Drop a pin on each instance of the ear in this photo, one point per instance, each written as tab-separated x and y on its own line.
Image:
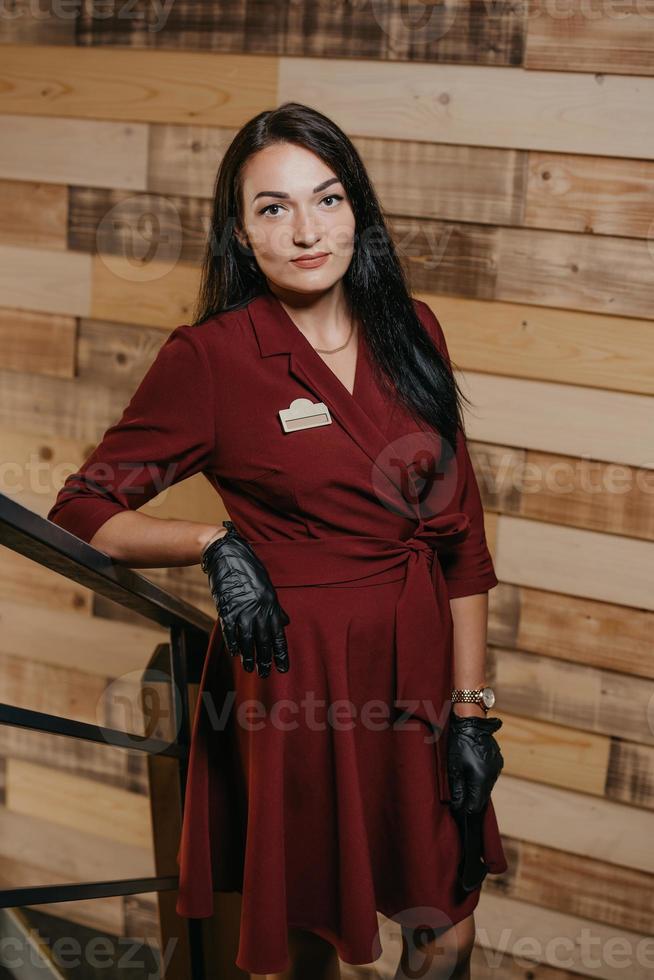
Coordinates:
242	237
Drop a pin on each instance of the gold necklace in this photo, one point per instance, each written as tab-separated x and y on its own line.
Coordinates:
322	350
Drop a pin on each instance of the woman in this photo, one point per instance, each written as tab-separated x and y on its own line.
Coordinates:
318	399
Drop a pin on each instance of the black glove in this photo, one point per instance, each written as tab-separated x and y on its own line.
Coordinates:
474	762
247	603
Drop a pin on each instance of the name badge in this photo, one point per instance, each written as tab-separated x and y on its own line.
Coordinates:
302	413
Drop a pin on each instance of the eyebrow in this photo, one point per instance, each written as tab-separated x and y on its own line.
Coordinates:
284	196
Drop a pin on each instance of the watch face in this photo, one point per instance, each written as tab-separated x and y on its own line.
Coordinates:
488	696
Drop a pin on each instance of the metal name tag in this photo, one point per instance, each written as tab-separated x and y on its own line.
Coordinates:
302	413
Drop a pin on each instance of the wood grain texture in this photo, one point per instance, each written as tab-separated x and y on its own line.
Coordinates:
605	892
574	822
438	180
33	214
584	632
61	854
183	160
564	111
584	697
595	195
563	757
22	580
539	935
45	280
592	273
584	272
74	642
78	151
587	494
46	23
38	343
560	419
574	562
142	228
80	804
160	294
485	185
562	490
517	340
167	86
455	30
592	36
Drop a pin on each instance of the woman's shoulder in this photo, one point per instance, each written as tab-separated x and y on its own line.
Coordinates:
218	331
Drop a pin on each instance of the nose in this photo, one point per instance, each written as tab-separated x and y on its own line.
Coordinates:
306	229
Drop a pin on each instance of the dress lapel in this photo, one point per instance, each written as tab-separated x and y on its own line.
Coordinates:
277	333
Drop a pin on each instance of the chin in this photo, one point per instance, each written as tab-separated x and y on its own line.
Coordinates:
302	282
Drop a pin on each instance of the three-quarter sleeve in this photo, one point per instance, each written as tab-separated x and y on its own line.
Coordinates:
165	434
468	567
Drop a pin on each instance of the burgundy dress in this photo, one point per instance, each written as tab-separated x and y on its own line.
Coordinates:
319	794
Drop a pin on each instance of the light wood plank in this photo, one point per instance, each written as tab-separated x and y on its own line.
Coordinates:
554	754
83	805
588	494
184	159
85	152
586	825
592	37
563	490
563	692
539	935
159	295
441	180
603	635
602	196
605	892
75	855
586	272
540	342
104	914
38	343
33	214
561	419
479	106
107	649
581	563
200	88
22	580
65	691
45	281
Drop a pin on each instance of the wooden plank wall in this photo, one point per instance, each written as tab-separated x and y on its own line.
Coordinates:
515	143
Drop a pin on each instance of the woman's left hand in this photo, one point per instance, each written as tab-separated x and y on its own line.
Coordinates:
474	761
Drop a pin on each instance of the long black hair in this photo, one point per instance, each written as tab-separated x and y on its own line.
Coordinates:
406	361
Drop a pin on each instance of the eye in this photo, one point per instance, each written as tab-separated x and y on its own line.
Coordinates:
333	197
268	206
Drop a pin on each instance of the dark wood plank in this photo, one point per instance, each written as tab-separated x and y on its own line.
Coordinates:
473	32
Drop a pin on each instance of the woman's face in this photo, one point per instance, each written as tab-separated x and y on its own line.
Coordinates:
295	206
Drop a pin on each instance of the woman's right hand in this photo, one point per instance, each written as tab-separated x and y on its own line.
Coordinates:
251	617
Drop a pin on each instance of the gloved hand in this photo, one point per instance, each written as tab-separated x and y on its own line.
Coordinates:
474	761
251	617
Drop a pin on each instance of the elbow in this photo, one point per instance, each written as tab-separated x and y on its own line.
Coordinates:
107	541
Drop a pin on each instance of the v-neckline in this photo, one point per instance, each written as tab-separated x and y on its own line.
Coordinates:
356	384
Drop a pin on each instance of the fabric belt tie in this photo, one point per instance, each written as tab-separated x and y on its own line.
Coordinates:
423	682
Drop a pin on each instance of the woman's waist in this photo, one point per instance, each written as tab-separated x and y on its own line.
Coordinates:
339	560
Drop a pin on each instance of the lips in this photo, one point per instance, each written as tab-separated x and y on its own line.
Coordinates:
311	261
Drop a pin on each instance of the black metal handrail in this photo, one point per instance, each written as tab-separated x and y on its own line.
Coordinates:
50	546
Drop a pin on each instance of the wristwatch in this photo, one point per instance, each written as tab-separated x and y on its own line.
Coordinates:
483	696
